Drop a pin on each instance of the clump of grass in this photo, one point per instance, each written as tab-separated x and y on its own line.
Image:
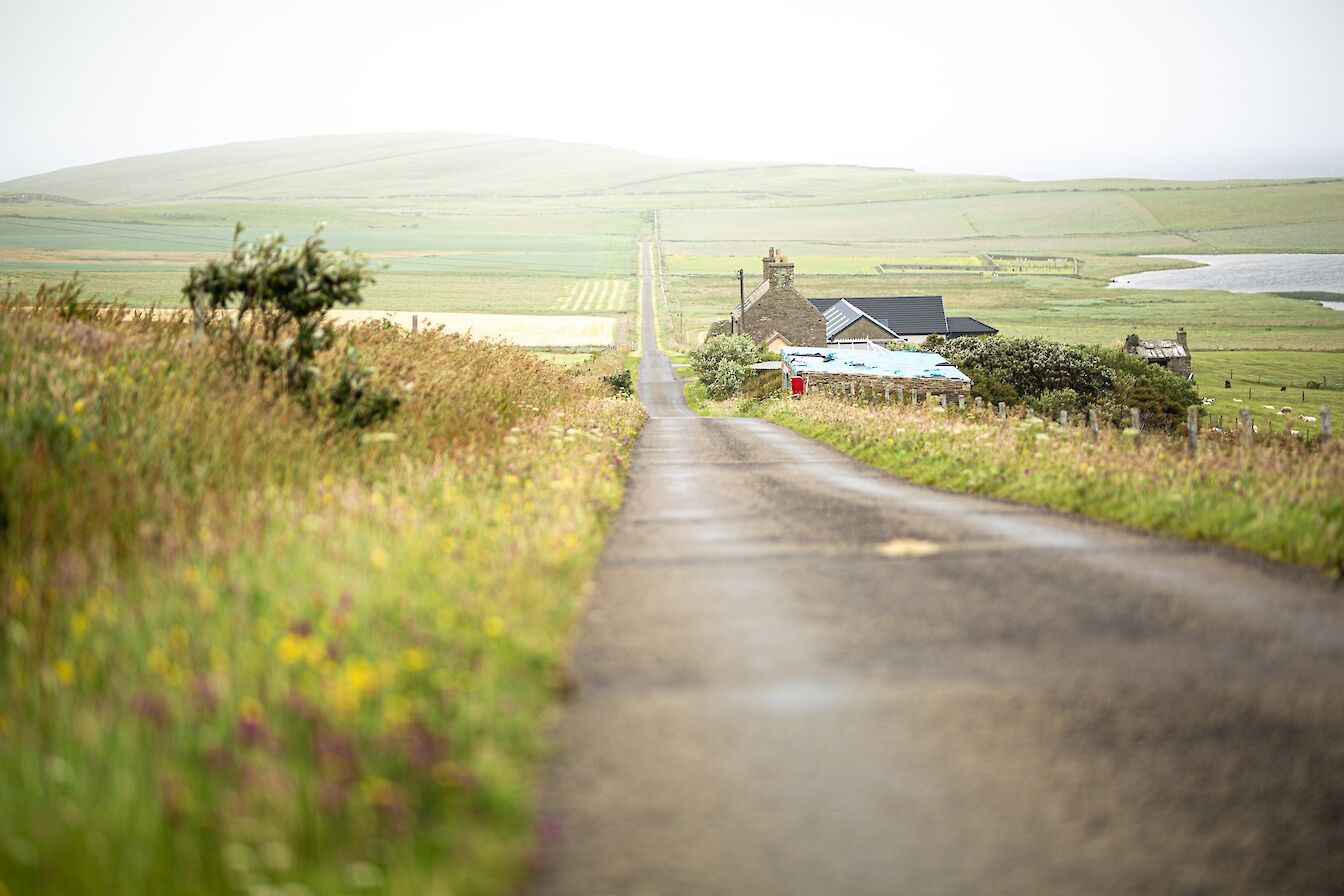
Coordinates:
240	648
1284	499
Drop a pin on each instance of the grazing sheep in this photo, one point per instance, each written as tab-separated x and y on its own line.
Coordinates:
1269	407
1238	401
1306	418
1285	410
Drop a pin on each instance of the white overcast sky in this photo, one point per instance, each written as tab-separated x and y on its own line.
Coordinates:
1030	88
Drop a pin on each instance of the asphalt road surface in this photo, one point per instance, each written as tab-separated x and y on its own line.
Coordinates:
799	675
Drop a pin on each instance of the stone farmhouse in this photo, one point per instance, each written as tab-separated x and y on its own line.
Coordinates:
775	315
1173	354
776	312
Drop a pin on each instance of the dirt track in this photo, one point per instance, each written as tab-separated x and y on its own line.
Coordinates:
799	675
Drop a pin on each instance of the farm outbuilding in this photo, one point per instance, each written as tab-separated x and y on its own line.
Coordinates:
903	318
1173	354
846	366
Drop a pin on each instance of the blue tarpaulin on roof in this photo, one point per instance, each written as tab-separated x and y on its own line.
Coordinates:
803	360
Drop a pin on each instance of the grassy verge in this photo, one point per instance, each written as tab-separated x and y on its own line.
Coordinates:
242	651
1284	499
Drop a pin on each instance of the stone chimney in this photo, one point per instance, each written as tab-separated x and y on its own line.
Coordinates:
1180	337
777	269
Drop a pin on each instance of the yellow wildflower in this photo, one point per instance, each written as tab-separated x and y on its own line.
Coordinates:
79	406
21	585
448	543
79	624
413	659
291	649
65	671
493	626
360	675
378	558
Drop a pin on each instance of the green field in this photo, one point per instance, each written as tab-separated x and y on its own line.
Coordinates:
1278	379
486	223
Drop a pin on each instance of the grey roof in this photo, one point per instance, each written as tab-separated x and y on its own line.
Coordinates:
841	314
907	315
1157	349
968	326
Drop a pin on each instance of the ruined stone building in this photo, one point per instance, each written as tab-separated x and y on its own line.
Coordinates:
775	312
1173	354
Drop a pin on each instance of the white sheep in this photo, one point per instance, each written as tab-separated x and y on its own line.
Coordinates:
1306	418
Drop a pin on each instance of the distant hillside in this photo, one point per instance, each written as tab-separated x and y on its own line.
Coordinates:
377	166
455	193
420	166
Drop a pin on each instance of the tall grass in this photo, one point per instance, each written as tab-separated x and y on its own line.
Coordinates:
1283	499
241	650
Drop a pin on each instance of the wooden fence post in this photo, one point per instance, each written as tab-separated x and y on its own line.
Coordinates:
979	402
1247	428
1135	421
886	392
1092	424
1064	418
961	402
942	401
900	395
1192	430
1003	411
1325	426
415	323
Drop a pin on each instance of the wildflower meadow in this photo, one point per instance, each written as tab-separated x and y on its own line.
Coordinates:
245	649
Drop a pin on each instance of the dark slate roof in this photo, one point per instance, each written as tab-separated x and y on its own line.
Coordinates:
968	326
906	315
841	314
1160	349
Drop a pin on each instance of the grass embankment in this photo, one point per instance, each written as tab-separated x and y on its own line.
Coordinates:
1284	499
240	650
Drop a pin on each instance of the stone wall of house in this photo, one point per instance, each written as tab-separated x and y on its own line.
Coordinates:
820	382
783	310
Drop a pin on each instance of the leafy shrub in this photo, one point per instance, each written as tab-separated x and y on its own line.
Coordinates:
1050	402
620	381
723	363
1160	395
992	388
275	300
1032	366
1050	377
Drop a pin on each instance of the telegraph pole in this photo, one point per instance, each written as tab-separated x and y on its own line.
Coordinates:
742	299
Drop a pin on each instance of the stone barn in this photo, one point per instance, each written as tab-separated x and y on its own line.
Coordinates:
776	312
1173	354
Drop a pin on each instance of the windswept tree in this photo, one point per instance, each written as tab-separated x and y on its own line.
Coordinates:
267	303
